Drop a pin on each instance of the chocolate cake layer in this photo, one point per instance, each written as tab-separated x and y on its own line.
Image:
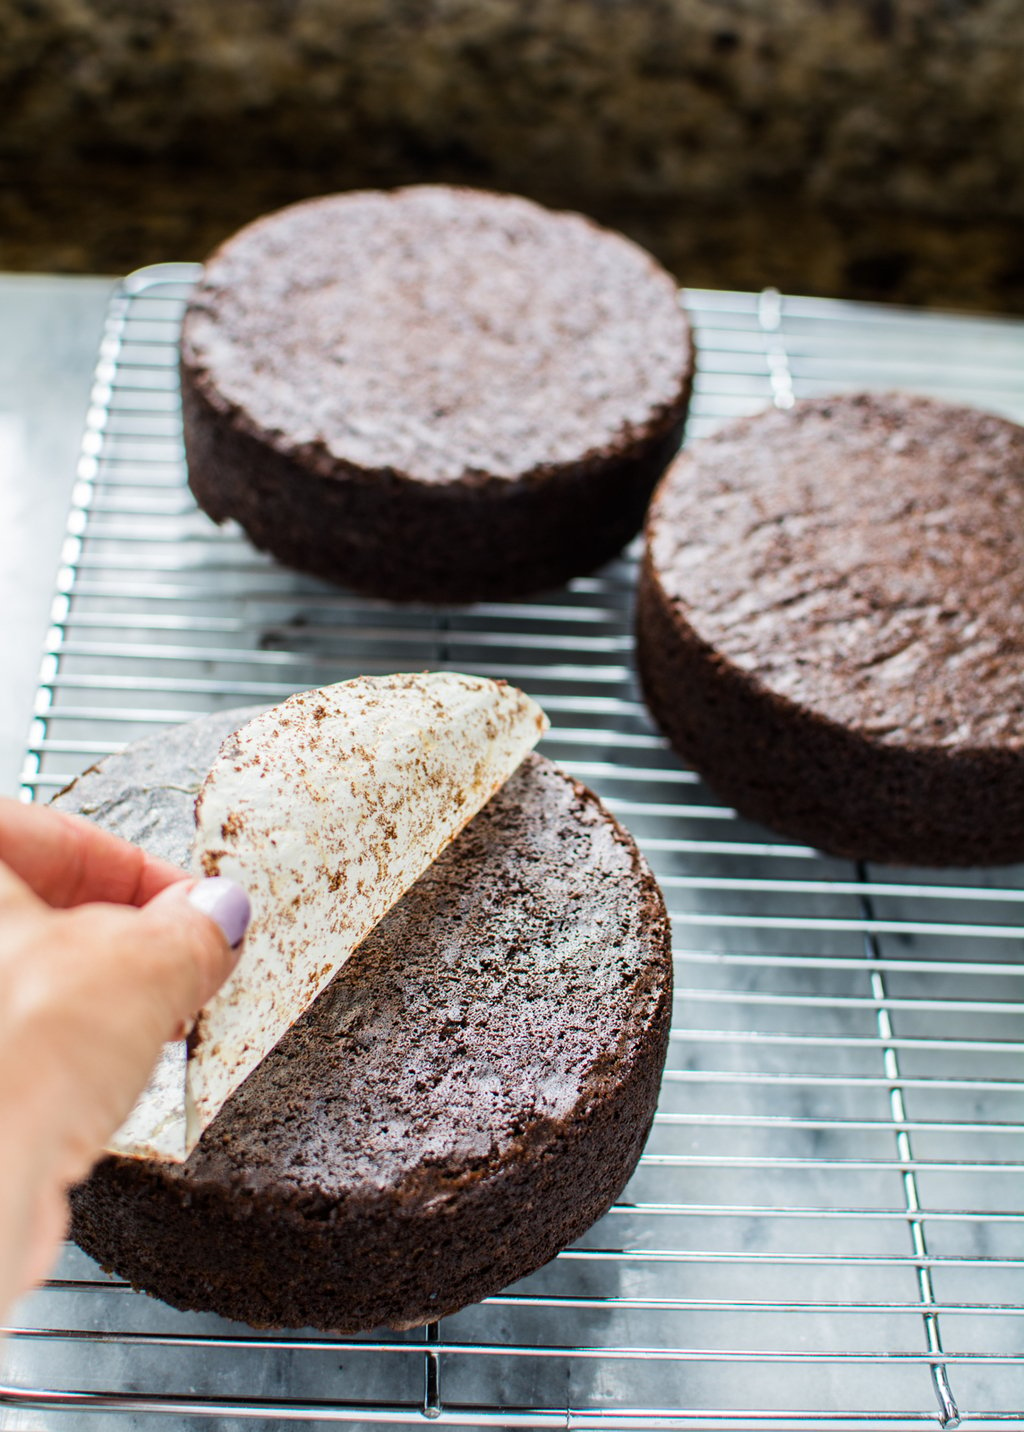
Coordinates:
466	1097
432	392
829	625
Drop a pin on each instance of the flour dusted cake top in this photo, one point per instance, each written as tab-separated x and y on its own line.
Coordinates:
861	556
517	980
442	333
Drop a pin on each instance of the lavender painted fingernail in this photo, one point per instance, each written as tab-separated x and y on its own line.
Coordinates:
225	903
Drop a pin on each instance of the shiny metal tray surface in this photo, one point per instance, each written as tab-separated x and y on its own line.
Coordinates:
827	1227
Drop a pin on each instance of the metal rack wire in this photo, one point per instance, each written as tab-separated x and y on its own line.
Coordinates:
827	1227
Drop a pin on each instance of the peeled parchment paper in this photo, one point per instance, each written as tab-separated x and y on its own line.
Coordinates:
326	809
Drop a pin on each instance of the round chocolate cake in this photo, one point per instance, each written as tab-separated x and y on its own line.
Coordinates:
466	1097
433	393
830	625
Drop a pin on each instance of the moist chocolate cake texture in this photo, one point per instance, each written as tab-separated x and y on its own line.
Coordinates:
829	624
466	1097
433	392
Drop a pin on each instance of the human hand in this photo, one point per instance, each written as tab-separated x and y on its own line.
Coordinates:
105	954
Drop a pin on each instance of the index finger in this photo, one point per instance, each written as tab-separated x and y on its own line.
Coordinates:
66	860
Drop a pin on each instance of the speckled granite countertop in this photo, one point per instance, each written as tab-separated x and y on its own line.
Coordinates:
865	147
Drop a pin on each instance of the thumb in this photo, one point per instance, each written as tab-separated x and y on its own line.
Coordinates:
197	928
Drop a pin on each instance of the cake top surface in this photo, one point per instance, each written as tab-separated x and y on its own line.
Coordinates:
440	333
863	557
487	1008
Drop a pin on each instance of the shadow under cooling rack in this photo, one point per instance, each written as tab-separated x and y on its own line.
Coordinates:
827	1226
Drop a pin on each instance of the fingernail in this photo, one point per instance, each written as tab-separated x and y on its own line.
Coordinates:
225	903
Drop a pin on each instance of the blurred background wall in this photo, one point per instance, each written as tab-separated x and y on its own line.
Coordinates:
865	148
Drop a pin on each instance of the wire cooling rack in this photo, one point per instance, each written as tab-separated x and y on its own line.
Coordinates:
827	1227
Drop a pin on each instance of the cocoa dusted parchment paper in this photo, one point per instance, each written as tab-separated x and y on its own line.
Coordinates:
326	809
